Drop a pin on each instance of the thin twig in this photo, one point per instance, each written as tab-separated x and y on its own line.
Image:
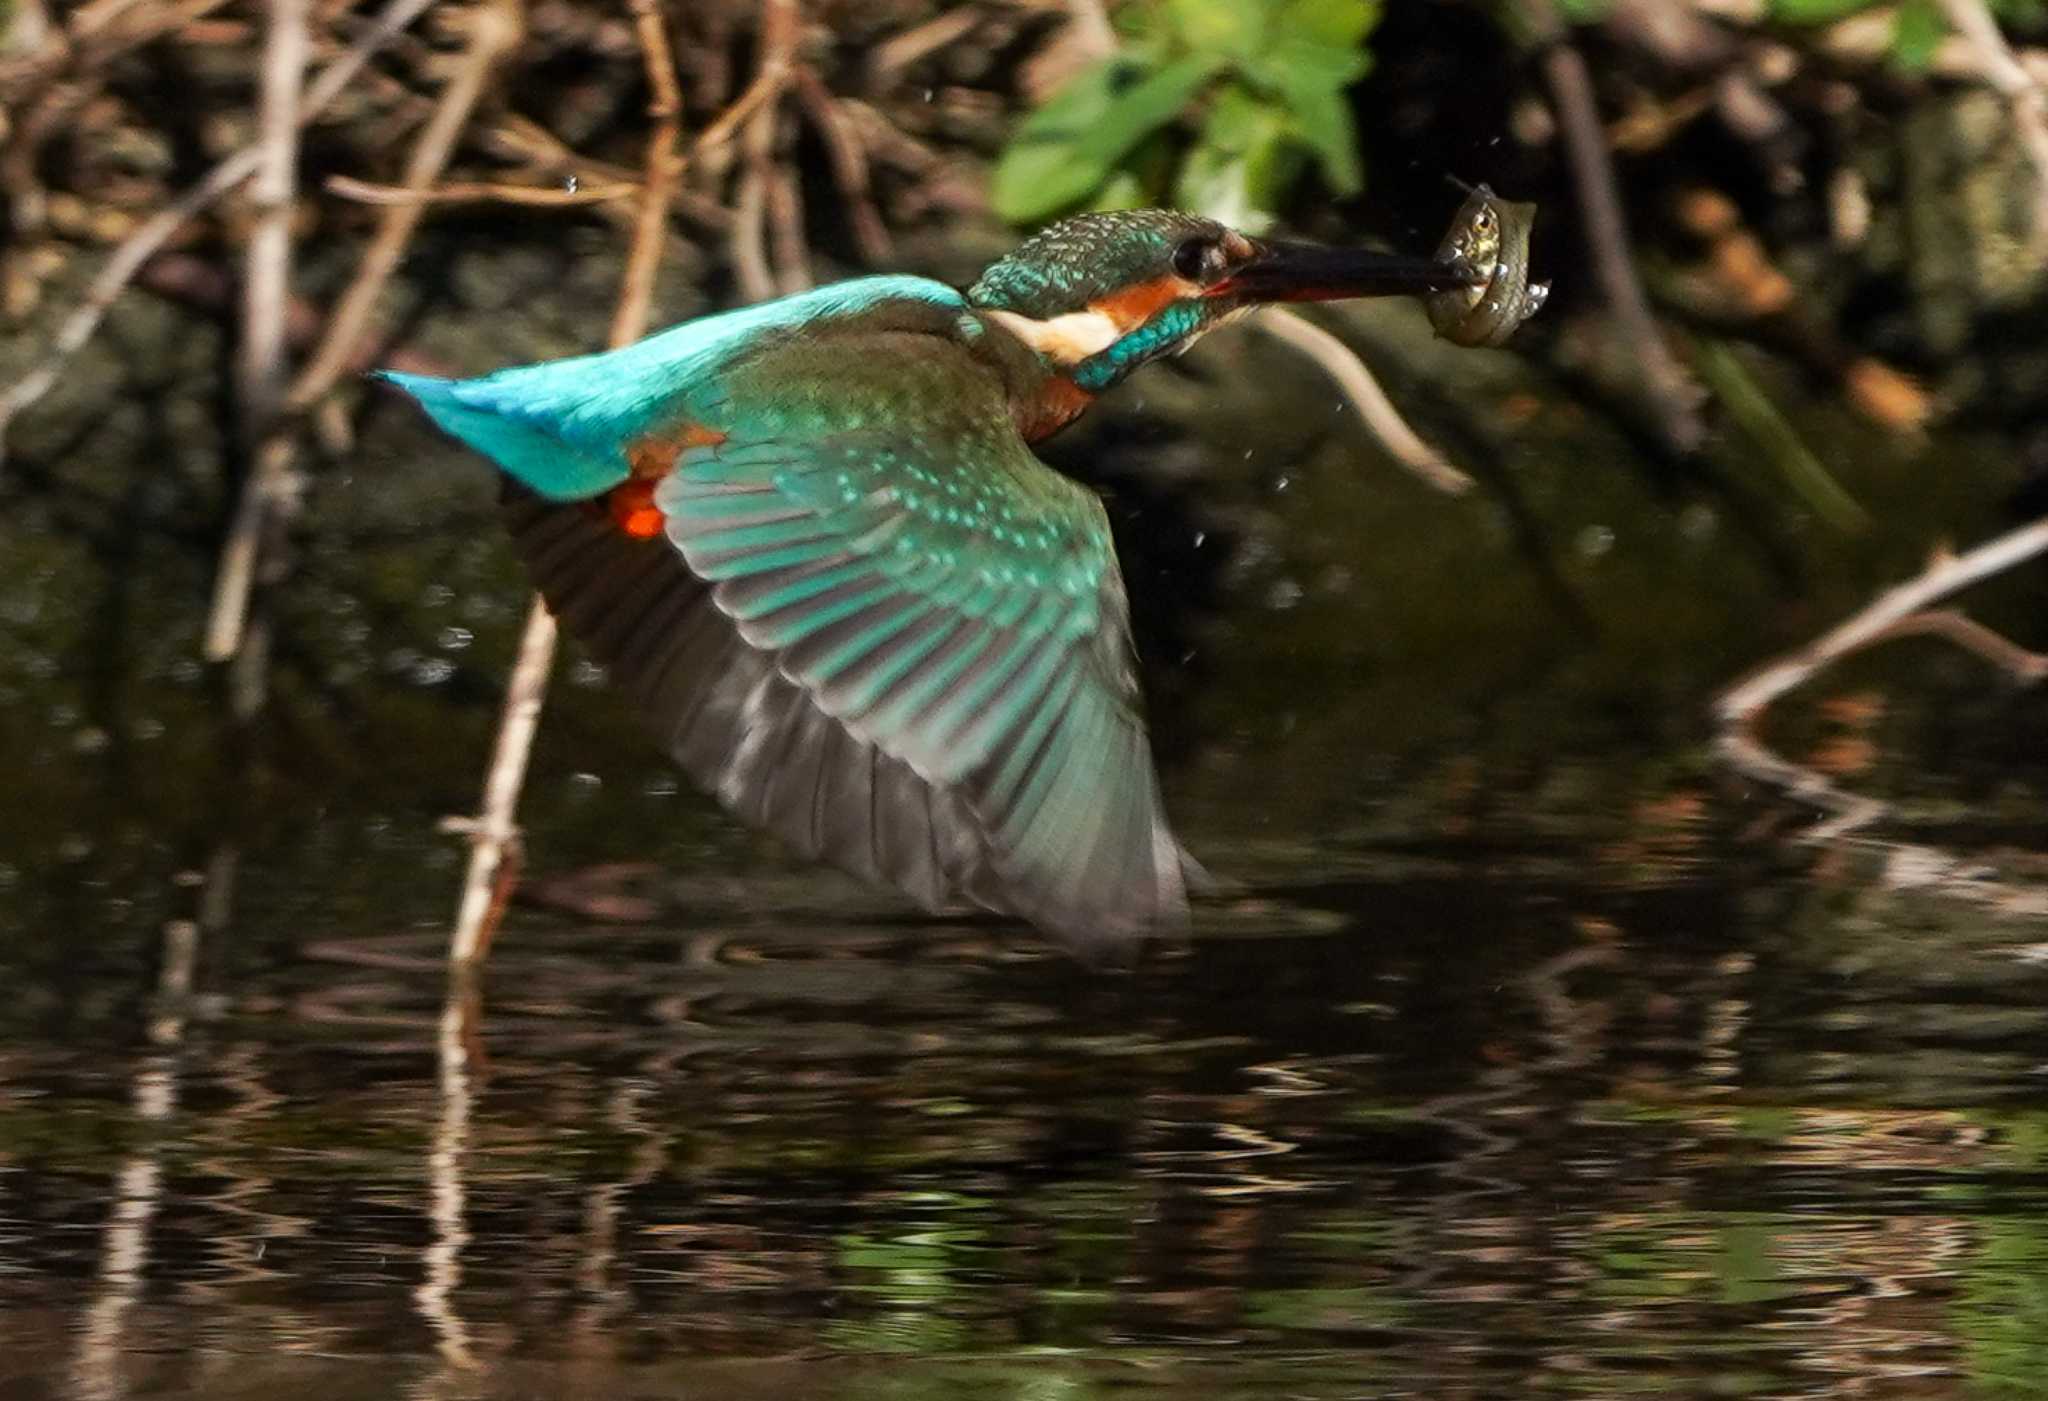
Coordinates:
494	835
1341	363
778	40
494	29
1901	611
665	109
785	210
1946	575
849	162
749	249
125	261
1671	390
266	292
2026	668
269	497
266	287
479	192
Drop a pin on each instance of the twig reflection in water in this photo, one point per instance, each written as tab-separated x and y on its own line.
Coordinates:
138	1186
446	1158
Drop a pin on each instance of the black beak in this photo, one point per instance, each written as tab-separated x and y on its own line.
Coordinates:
1309	272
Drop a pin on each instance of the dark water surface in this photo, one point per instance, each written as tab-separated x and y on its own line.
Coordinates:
1530	1055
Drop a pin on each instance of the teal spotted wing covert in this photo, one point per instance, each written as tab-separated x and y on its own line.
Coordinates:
880	627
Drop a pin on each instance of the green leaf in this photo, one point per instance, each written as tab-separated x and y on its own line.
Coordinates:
1322	119
1917	31
1225	28
1064	151
1243	162
1339	24
1816	11
1137	111
1043	169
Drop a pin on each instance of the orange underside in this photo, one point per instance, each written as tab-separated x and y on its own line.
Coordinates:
631	503
1059	403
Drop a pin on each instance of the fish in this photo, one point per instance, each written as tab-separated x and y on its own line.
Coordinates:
1490	236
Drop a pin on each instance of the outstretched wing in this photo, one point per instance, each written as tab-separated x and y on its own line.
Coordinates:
877	625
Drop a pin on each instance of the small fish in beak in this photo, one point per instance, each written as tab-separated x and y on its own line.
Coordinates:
1490	237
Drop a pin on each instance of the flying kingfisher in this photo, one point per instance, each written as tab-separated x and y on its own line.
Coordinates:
812	540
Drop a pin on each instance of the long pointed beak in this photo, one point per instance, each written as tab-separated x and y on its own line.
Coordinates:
1310	272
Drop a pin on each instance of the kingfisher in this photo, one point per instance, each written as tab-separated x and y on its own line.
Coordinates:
812	541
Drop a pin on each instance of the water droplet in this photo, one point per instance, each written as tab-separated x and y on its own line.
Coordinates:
1282	484
569	184
586	674
1595	541
1284	594
432	671
454	639
1200	537
660	785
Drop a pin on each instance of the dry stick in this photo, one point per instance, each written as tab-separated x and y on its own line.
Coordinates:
270	496
261	369
479	192
1945	575
785	211
2026	97
849	161
266	287
1571	91
1900	611
494	30
125	261
1341	363
493	834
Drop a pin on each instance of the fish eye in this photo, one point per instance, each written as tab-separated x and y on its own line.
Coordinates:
1483	221
1198	259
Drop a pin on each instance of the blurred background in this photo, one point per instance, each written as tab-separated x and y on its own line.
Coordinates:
1545	1044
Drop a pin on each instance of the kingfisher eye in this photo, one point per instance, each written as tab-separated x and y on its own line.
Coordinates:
1199	259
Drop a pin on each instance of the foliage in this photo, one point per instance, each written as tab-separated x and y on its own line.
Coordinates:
1918	26
1220	104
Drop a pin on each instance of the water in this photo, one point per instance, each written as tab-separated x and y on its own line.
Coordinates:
1529	1052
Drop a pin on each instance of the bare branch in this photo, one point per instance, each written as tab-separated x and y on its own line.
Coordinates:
270	496
1946	575
479	192
125	261
1341	363
494	836
494	29
1671	390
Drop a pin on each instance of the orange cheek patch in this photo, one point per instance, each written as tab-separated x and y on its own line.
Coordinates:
1134	306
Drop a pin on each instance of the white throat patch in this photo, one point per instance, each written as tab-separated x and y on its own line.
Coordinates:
1067	339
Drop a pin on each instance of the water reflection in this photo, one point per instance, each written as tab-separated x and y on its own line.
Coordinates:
1495	1132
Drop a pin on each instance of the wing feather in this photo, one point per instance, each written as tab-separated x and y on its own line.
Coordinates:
915	667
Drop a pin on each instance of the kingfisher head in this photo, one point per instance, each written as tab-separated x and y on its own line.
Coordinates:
1098	295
